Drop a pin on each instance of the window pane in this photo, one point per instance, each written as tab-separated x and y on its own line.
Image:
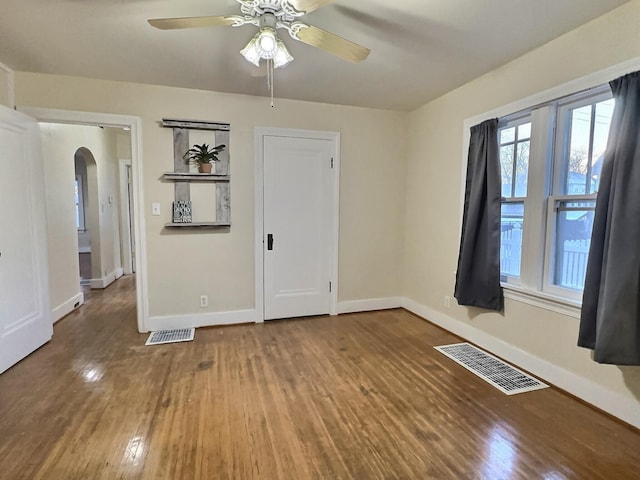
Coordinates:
524	131
578	151
522	169
511	238
506	163
604	112
573	237
507	135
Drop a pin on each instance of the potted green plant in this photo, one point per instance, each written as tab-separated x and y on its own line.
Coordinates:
203	155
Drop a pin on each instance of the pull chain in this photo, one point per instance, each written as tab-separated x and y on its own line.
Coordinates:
270	78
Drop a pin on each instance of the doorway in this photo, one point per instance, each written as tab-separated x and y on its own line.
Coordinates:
86	213
297	180
132	125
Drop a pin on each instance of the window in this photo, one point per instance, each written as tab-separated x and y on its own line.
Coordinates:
551	158
583	129
79	203
514	139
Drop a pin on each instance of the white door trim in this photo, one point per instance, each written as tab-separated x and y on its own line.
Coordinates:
135	125
334	138
125	220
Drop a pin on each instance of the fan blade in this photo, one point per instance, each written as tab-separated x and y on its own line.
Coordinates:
307	6
317	37
189	22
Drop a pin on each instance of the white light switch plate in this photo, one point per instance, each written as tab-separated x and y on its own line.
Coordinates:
155	209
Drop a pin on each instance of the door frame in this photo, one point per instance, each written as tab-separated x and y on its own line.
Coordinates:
334	138
135	125
125	217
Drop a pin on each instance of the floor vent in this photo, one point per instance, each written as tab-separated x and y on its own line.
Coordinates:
171	336
501	375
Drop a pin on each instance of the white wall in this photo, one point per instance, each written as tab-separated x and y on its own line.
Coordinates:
186	264
60	143
432	221
6	86
124	145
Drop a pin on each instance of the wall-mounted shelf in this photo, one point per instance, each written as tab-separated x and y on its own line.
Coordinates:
195	177
198	225
183	177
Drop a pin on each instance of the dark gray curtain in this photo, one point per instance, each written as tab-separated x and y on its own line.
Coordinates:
478	275
610	319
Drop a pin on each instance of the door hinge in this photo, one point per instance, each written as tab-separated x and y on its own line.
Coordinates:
331	162
329	287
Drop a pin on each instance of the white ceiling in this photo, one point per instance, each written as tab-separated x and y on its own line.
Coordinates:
420	49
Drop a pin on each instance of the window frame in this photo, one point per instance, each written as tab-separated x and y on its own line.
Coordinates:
515	120
564	107
563	137
550	140
590	82
550	246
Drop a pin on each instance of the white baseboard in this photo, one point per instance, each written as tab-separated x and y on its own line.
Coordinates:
620	406
197	320
369	304
67	307
103	282
119	272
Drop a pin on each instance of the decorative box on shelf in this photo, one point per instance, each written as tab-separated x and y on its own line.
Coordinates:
182	212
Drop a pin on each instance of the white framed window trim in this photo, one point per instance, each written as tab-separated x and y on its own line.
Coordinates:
510	263
531	288
542	272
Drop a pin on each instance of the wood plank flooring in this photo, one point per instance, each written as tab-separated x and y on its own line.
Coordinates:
361	396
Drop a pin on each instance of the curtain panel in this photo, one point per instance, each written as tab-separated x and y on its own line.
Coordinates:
478	274
610	317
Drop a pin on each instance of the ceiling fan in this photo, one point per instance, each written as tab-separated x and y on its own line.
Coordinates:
269	16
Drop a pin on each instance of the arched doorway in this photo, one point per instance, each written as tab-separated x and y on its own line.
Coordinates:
87	215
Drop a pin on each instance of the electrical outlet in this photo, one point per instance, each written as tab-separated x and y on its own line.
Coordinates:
204	301
155	209
447	302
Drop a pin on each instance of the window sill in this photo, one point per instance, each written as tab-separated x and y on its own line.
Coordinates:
549	302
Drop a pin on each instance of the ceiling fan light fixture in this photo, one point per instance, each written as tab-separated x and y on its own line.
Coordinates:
283	57
250	53
267	43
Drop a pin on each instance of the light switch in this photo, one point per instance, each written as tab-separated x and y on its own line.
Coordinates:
155	209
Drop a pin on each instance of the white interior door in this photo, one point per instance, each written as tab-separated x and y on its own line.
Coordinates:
25	312
297	226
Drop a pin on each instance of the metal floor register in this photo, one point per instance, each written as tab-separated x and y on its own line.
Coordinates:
501	375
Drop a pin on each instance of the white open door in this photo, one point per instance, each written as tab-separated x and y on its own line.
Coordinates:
298	231
25	312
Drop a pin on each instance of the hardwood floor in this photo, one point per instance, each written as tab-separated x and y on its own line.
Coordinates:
361	396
